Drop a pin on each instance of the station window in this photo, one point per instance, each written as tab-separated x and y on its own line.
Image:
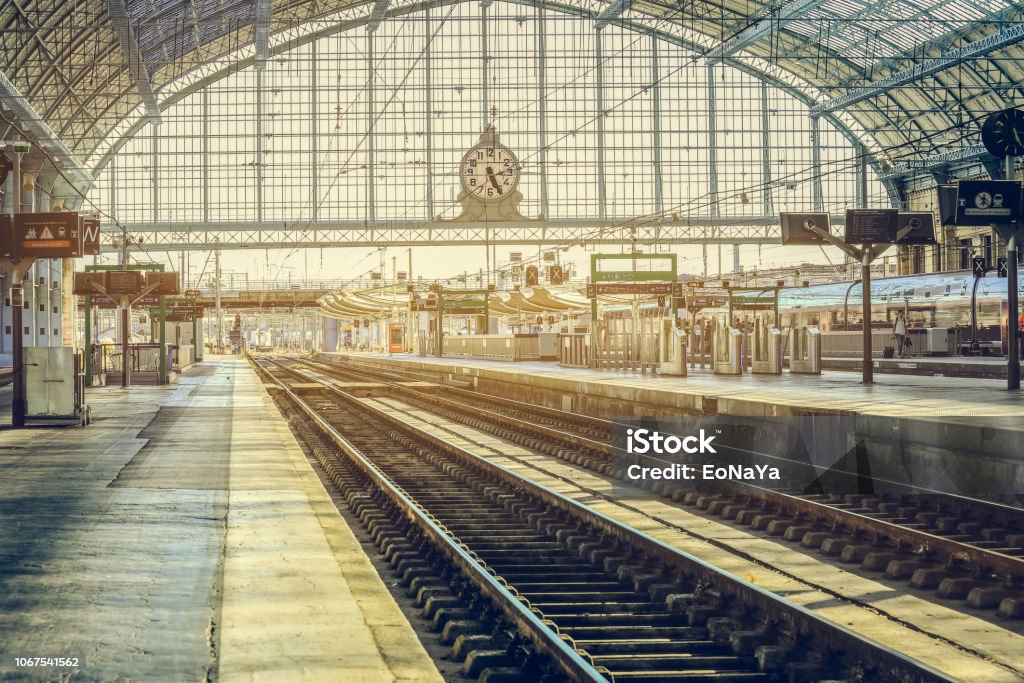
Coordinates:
7	329
55	309
7	301
56	332
25	306
42	280
42	331
42	308
28	331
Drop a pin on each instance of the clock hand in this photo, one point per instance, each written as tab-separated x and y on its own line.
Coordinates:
494	181
1016	136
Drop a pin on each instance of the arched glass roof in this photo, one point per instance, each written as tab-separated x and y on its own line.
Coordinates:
892	65
368	127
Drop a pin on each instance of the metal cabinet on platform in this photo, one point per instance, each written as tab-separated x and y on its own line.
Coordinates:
55	384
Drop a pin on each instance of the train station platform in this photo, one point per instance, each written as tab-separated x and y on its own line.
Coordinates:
969	367
950	434
184	536
704	392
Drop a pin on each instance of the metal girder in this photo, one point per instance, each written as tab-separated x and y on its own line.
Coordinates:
20	112
377	14
252	235
262	32
613	10
1006	37
762	26
130	47
953	156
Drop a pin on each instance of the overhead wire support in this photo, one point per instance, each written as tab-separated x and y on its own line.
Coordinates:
953	156
763	26
136	67
262	33
377	14
1008	36
612	11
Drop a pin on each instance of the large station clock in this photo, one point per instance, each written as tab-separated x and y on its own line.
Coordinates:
489	171
1003	133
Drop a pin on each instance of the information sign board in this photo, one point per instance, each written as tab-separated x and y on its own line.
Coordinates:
595	289
796	227
47	235
921	224
90	236
984	202
124	282
871	226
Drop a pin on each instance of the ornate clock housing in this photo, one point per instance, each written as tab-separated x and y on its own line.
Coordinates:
1003	133
489	171
489	174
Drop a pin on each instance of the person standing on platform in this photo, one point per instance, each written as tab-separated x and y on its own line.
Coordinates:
899	330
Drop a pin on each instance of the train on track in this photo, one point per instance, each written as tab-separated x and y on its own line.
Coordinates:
971	311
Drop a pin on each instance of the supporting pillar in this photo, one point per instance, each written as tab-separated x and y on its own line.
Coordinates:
88	341
602	186
541	57
868	370
766	152
816	193
659	202
1013	336
126	331
163	340
1013	332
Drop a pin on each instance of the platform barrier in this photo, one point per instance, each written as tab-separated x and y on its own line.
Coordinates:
727	351
108	358
510	347
766	351
574	350
621	345
805	350
183	356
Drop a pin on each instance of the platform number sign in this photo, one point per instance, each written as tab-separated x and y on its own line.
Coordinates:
1001	266
532	276
978	266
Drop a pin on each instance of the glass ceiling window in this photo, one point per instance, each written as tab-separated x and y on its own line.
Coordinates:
360	126
868	33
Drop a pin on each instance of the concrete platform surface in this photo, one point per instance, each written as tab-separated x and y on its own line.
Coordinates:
919	397
184	537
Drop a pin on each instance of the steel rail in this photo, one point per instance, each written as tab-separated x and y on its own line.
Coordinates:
828	635
570	661
1007	566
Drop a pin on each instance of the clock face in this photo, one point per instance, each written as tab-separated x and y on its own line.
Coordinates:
489	173
1003	133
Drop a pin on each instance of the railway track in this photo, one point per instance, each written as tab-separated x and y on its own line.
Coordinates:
527	584
959	548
